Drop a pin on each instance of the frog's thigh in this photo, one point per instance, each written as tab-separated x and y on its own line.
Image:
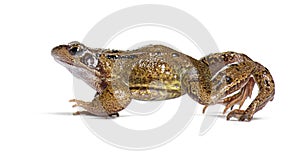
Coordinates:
240	71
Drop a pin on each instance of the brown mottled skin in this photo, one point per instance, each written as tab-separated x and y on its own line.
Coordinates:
156	72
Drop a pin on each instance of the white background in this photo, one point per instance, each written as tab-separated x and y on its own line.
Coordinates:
34	89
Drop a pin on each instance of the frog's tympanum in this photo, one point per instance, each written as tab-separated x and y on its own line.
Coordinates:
157	72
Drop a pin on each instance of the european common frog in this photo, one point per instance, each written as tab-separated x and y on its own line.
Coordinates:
157	72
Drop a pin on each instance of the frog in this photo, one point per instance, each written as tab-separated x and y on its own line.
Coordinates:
156	72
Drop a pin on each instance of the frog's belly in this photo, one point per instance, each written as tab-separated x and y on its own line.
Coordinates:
156	90
154	81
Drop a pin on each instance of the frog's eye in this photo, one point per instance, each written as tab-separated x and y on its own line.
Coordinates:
73	50
89	60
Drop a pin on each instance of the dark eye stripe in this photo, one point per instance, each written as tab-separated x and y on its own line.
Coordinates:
111	56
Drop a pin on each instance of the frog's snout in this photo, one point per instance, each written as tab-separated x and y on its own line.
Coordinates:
58	49
61	53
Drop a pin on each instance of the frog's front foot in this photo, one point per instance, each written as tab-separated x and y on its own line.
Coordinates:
241	115
81	113
79	103
89	107
107	104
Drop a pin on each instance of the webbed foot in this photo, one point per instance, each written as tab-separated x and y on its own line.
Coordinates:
241	115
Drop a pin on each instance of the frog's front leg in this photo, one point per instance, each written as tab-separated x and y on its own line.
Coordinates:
113	99
266	93
90	108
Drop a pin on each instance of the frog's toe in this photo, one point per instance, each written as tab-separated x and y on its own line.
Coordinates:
76	113
240	115
72	100
82	113
236	114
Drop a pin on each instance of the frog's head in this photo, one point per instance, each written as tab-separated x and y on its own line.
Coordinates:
80	60
75	54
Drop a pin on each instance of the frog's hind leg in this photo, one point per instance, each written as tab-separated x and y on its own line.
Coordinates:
240	97
249	88
230	101
266	93
215	62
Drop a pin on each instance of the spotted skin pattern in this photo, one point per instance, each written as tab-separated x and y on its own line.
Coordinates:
157	72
